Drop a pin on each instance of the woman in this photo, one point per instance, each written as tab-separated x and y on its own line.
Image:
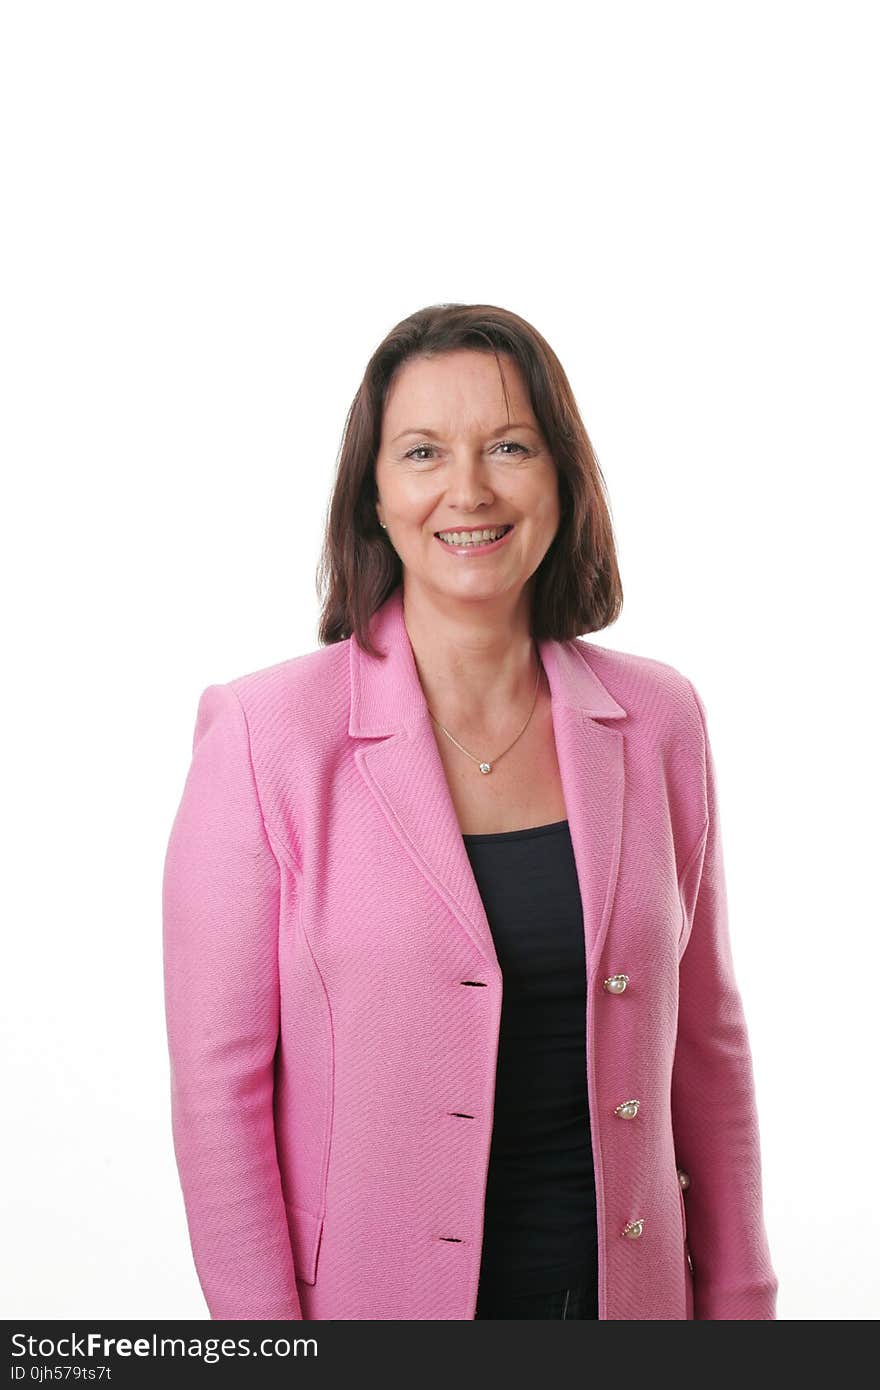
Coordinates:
452	1018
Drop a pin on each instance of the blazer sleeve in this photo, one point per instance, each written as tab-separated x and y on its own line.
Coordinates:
713	1097
220	903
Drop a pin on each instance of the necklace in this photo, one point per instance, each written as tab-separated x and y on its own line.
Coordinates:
485	766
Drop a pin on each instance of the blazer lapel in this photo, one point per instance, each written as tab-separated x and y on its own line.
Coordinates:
402	767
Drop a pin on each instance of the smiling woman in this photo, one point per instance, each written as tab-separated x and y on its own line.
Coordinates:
448	1044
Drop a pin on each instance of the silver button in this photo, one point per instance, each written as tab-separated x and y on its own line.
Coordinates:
633	1229
616	984
683	1179
627	1109
690	1261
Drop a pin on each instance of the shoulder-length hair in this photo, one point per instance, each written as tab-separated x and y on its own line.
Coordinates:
577	586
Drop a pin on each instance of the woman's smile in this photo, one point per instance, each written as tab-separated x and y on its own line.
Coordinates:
461	545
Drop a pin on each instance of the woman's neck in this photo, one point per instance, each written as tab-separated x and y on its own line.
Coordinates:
477	662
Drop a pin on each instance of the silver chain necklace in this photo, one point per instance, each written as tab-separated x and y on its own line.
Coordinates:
484	766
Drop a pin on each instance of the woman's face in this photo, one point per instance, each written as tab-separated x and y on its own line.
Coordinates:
449	462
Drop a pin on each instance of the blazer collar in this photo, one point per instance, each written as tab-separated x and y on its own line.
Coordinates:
387	695
403	770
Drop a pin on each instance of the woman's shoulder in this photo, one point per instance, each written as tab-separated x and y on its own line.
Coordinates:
308	692
315	665
647	686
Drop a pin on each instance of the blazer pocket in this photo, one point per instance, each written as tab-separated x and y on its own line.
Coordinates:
305	1241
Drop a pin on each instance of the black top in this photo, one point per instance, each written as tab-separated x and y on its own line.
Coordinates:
540	1218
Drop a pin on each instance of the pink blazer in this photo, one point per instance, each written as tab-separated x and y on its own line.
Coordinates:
333	996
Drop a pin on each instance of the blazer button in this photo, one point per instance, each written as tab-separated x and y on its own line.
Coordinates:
616	984
628	1109
633	1229
683	1179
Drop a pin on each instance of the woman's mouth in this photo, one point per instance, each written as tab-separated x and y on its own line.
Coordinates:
474	542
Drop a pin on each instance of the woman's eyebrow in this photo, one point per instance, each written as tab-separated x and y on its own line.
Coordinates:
434	435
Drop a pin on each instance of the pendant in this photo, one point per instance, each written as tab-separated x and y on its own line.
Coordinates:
485	767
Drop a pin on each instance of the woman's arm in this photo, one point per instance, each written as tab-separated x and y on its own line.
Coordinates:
713	1102
220	937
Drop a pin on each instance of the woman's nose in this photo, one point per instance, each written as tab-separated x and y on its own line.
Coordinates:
466	483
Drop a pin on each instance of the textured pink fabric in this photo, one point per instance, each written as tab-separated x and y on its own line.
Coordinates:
333	996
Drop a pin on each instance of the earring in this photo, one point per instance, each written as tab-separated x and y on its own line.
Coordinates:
382	524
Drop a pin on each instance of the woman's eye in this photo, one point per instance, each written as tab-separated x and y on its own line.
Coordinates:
427	448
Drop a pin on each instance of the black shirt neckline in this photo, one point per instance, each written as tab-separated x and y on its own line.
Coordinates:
530	831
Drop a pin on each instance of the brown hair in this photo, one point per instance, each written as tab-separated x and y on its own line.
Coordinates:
577	585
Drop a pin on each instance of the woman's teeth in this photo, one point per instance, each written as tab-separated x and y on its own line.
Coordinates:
472	537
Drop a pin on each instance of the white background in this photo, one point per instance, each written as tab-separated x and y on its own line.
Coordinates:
212	215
